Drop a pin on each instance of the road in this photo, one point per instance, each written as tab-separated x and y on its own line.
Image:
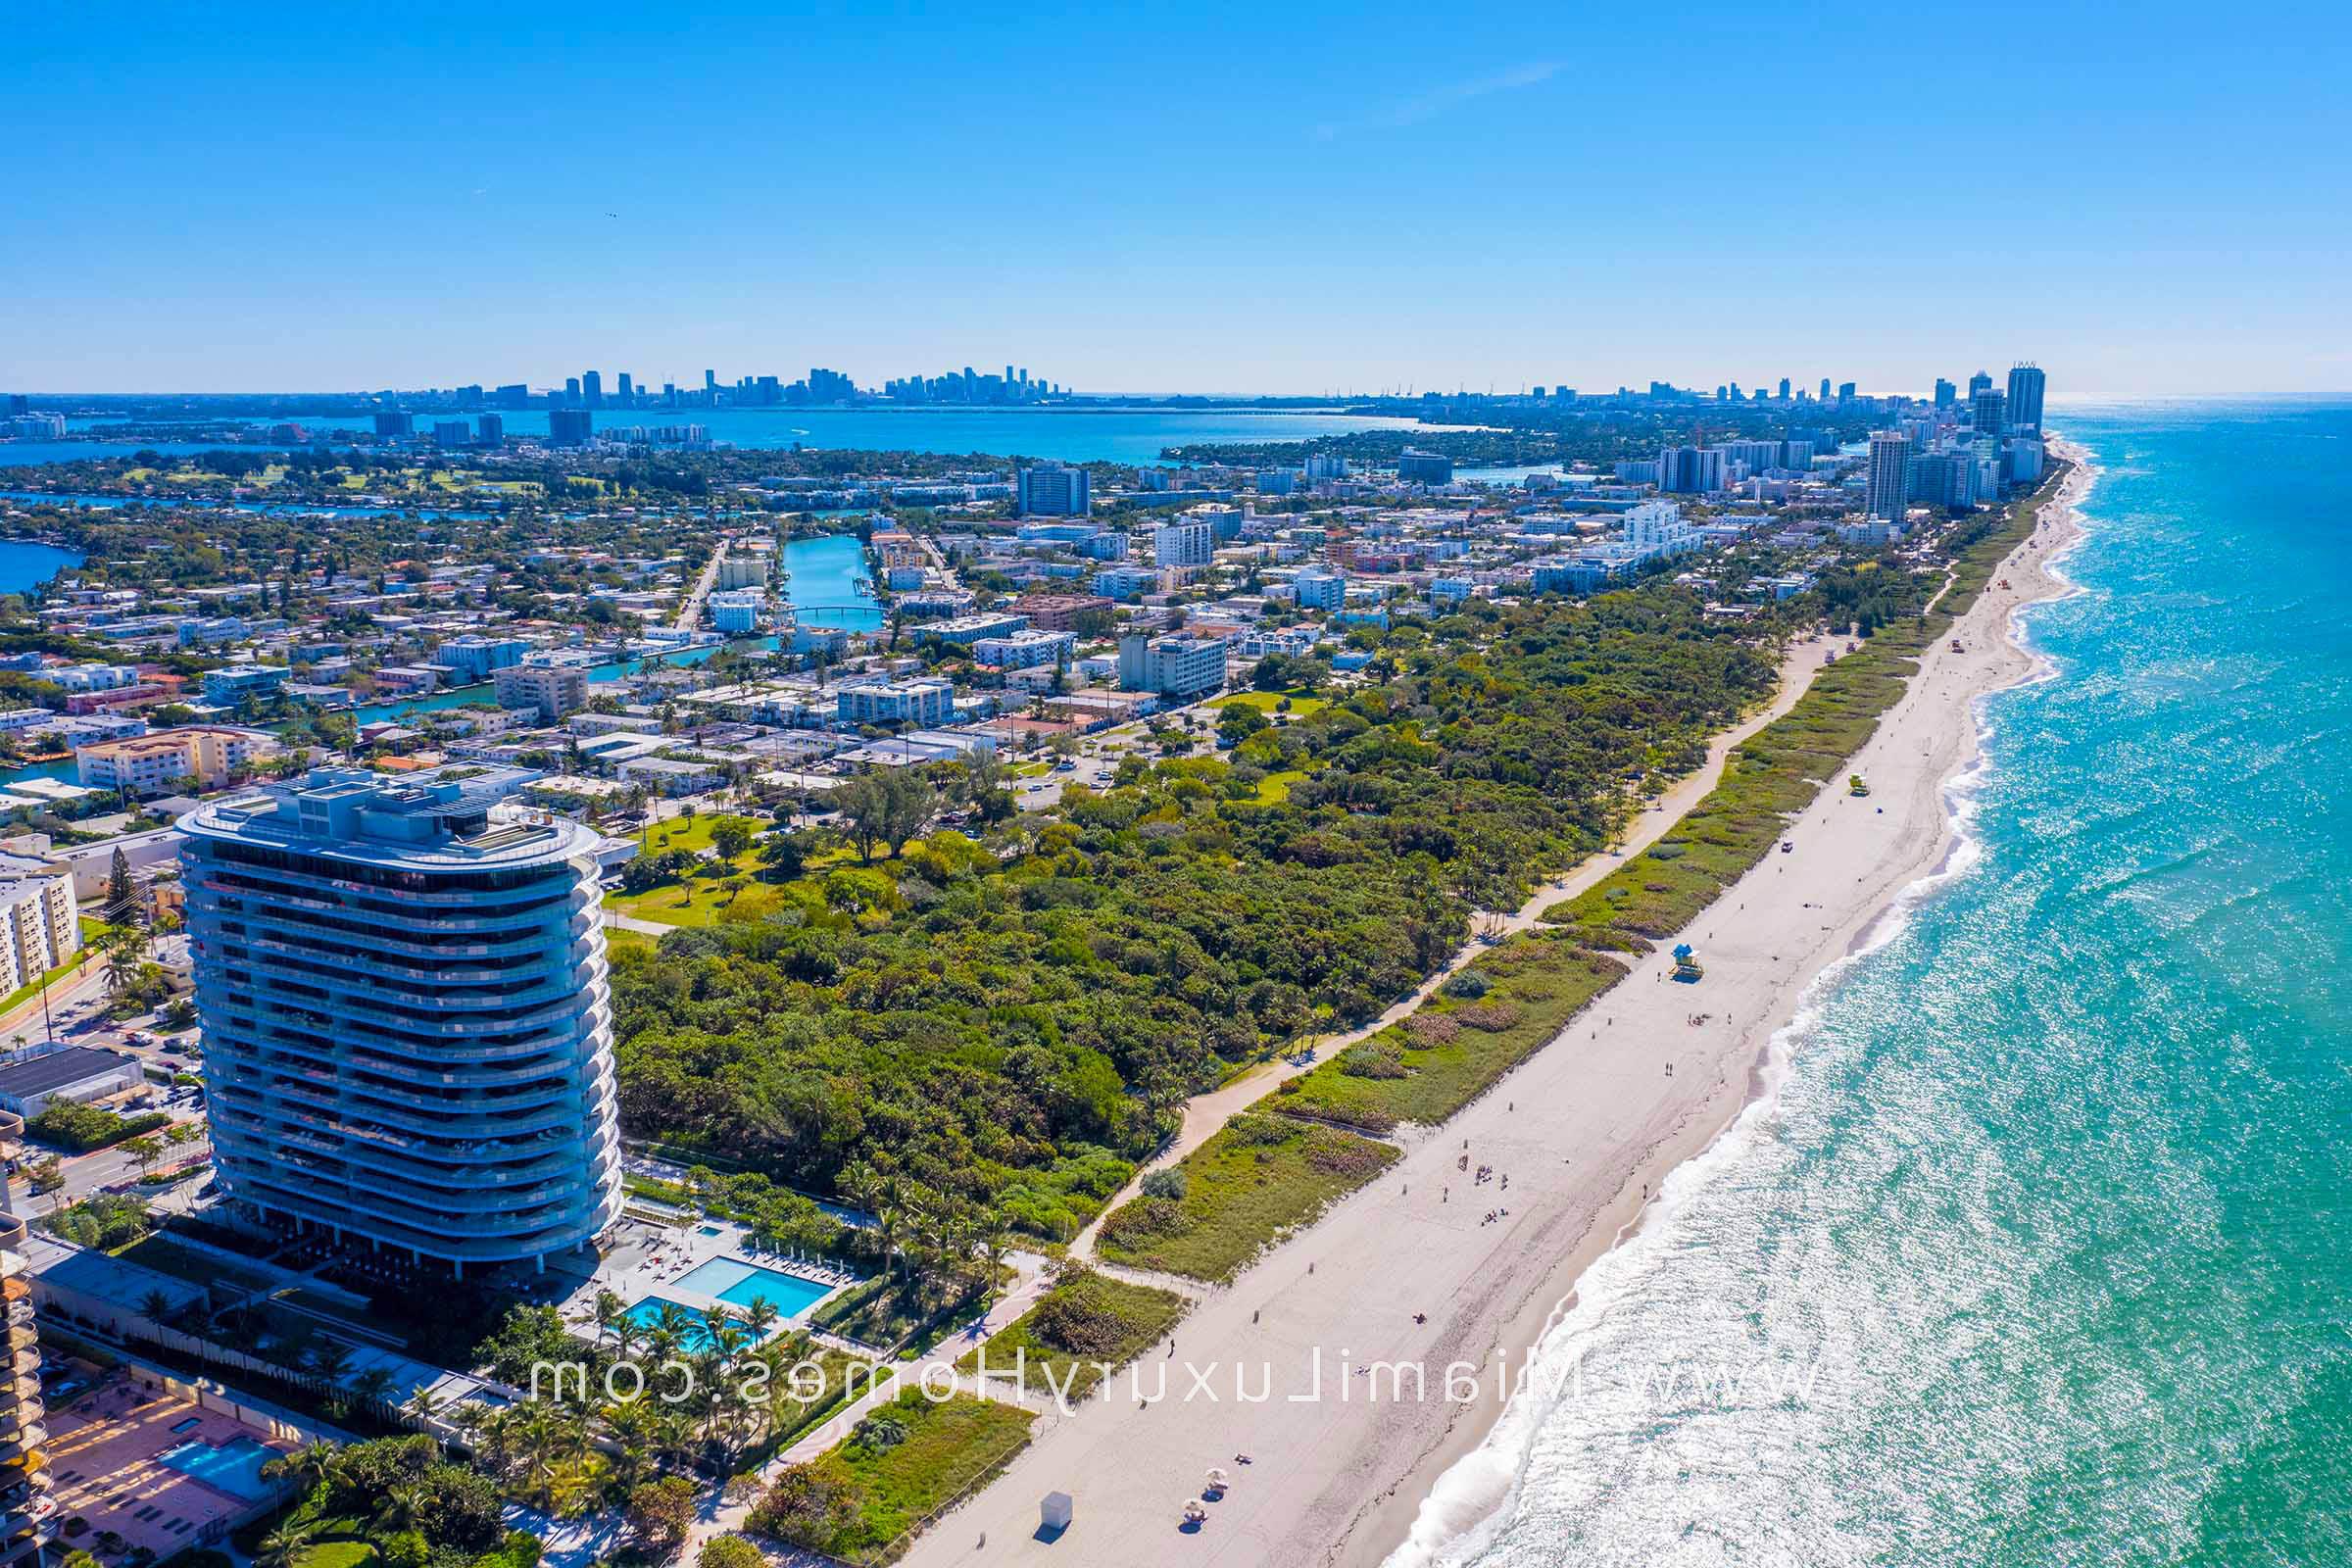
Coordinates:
690	613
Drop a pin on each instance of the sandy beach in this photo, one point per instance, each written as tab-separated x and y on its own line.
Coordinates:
1274	1366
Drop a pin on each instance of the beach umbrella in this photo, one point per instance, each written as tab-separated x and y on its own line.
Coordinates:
1216	1476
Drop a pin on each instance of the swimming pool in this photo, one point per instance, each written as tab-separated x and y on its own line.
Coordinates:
233	1467
740	1284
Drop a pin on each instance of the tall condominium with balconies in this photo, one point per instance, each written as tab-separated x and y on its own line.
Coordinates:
407	1022
23	1467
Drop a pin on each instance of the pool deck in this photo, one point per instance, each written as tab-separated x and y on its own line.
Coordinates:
646	1261
103	1466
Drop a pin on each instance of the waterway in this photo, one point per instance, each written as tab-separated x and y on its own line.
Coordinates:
1070	434
826	584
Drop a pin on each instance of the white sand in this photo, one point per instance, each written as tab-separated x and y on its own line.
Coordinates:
1597	1122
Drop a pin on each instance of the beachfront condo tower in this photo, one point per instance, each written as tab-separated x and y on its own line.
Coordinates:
22	1466
408	1033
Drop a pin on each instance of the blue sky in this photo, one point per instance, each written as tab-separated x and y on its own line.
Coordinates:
1138	197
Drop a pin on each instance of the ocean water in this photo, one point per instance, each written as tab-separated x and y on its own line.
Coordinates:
2038	1250
1070	434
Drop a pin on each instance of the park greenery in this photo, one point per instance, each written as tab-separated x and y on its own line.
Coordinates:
1082	1330
967	1032
898	1467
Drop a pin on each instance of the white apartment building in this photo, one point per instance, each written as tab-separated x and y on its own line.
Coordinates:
39	928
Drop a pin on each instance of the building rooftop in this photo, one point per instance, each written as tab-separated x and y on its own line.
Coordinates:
58	1069
440	822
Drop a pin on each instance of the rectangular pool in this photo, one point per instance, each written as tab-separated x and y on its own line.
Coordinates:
233	1467
740	1284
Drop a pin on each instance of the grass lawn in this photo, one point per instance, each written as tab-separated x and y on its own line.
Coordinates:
1116	1321
1434	1062
336	1555
1256	1180
948	1446
1301	704
32	988
1275	788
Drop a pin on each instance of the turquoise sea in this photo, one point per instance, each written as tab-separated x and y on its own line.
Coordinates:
2038	1250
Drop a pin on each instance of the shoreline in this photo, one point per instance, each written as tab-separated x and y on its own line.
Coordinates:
1395	1272
1386	1531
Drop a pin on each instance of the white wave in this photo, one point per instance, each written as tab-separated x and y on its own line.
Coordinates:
1475	1499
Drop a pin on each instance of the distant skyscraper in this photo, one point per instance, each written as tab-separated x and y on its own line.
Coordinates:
1946	394
1978	383
628	390
709	381
493	429
1988	412
1825	389
569	427
592	389
1889	475
1846	391
392	423
2025	397
1783	389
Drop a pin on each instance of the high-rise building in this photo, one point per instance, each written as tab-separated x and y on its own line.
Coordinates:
1889	475
1183	543
391	424
592	389
2025	397
1691	470
1978	383
1053	490
491	428
628	390
571	390
1946	394
1783	389
1825	389
23	1439
1183	668
406	1024
1988	412
569	428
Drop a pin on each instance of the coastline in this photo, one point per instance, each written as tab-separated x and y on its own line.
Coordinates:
1610	1117
1407	1524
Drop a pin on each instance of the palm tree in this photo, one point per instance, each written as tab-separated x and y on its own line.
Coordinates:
329	1360
759	1317
306	1466
423	1404
403	1508
373	1385
609	1310
280	1547
539	1436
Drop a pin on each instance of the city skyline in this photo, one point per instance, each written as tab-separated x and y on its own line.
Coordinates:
1480	210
